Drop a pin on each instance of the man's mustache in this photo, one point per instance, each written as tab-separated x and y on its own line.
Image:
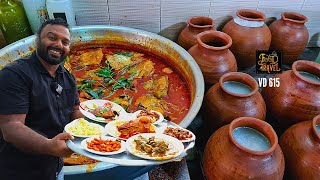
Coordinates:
56	49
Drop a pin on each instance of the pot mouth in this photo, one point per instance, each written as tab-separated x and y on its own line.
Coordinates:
214	40
243	79
307	71
316	126
259	125
201	22
294	17
251	15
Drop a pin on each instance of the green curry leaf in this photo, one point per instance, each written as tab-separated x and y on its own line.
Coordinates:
105	72
123	82
124	54
86	84
95	94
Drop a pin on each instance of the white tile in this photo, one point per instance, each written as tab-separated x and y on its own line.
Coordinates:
220	9
312	5
274	8
177	11
94	12
311	9
223	11
140	14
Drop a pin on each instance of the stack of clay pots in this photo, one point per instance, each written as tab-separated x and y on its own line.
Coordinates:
294	104
249	33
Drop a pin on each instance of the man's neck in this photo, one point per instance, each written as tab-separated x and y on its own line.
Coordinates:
52	69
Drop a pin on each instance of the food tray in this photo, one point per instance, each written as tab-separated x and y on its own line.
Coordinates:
125	158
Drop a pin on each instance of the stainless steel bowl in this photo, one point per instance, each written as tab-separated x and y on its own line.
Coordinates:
124	35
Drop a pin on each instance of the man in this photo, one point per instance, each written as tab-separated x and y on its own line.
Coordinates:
38	97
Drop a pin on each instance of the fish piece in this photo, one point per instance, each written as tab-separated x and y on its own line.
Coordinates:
90	58
158	86
143	69
150	102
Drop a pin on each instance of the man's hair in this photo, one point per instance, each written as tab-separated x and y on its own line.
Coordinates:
56	21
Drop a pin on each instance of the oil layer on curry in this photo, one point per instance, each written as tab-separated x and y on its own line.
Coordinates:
132	79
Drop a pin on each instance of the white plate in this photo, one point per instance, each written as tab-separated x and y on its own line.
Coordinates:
84	145
89	105
111	128
186	140
74	122
161	118
125	159
175	146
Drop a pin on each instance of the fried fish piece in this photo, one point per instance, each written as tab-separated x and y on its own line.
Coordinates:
140	125
90	58
77	159
158	86
121	59
143	69
150	102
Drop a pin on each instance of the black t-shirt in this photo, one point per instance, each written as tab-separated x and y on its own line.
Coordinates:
27	88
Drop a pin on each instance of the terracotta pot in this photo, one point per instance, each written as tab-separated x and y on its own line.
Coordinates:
225	158
196	25
249	34
289	35
297	99
301	148
221	105
213	56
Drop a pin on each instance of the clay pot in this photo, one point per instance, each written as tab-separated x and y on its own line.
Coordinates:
249	34
196	25
225	158
297	99
221	105
289	35
213	56
301	148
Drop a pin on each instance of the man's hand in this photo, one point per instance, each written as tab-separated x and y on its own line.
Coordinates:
15	132
57	145
76	113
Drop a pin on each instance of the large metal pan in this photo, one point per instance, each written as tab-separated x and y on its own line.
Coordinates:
123	35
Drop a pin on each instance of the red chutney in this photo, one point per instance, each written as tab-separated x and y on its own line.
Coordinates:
177	101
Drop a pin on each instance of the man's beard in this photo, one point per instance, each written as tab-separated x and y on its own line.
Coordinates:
48	57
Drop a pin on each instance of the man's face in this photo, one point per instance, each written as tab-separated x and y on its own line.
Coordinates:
54	44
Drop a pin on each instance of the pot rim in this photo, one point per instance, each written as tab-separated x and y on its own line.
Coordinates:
214	34
260	16
303	18
259	125
306	65
239	77
210	25
315	122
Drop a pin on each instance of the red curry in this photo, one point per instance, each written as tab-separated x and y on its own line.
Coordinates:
130	78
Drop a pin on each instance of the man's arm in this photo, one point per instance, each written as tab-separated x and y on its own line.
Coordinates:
76	113
22	137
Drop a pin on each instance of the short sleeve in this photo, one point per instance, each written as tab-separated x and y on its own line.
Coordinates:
14	93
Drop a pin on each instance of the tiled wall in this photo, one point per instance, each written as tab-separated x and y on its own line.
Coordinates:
168	17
